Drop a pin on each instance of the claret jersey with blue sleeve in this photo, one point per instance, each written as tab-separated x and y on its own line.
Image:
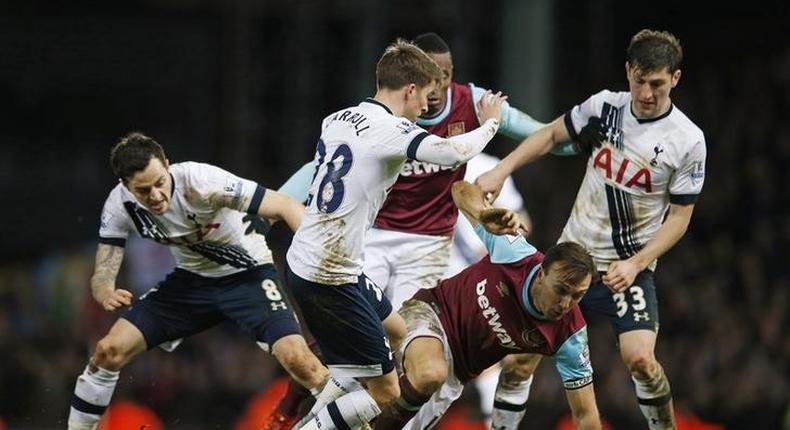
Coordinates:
487	313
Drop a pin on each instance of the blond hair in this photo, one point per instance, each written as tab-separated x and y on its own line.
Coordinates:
404	63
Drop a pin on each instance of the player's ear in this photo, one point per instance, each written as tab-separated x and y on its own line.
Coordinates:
675	77
410	90
167	164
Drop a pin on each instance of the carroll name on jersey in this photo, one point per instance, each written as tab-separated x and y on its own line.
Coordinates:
358	157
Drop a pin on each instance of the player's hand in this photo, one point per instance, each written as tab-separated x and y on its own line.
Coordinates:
591	135
621	275
111	300
501	221
491	183
257	224
490	106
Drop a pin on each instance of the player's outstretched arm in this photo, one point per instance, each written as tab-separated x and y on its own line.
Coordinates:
583	408
108	263
532	148
452	151
470	201
279	206
519	125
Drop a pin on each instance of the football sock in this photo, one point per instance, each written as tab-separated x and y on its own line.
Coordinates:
92	394
349	411
655	401
510	403
335	388
486	388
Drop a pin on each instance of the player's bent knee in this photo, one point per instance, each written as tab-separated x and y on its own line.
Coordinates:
109	355
429	377
519	368
642	365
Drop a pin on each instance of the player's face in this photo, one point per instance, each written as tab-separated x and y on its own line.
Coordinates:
556	298
152	186
650	90
438	99
417	100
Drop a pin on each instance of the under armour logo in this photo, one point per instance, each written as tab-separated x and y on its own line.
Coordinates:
657	149
641	316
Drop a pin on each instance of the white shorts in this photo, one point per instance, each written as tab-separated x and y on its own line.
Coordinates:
422	321
402	263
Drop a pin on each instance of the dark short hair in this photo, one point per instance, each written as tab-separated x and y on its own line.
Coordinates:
572	260
431	43
133	153
652	51
402	64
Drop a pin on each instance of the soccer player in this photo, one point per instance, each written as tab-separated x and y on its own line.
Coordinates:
467	250
645	171
408	247
514	301
358	157
222	273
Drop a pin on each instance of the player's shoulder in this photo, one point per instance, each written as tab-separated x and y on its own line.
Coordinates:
685	128
616	98
194	169
117	195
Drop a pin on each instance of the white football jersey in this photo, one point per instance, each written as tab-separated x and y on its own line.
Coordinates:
358	158
203	225
642	167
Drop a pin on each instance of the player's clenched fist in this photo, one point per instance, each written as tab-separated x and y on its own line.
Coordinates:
111	300
490	106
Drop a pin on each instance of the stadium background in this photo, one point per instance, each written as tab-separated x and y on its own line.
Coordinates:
244	85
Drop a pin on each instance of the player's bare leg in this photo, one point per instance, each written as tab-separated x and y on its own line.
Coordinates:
515	381
395	329
425	370
96	384
299	361
308	377
652	386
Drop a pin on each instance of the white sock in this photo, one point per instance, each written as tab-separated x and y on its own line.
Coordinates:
334	388
92	394
655	401
486	388
510	404
349	411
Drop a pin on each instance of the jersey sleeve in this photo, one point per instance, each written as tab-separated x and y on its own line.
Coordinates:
298	185
686	183
114	226
505	248
577	117
400	138
573	361
220	188
515	124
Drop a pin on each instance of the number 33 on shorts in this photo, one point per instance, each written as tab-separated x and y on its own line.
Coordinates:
635	296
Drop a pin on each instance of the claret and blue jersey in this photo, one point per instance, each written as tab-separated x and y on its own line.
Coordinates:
487	313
